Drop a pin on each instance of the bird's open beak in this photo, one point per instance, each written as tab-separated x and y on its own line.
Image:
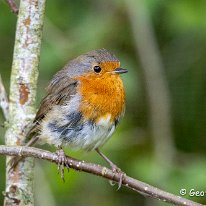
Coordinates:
120	71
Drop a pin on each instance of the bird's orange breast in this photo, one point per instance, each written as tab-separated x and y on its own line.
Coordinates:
101	96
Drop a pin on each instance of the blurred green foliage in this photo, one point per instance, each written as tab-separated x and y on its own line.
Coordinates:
75	27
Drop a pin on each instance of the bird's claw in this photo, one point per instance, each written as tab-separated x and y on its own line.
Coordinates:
117	171
62	162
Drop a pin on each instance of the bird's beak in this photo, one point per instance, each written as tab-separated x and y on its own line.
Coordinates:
120	71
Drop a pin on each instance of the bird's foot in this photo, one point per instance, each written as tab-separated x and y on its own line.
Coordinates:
117	171
62	162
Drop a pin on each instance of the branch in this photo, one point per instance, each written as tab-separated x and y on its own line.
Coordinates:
98	170
4	104
13	6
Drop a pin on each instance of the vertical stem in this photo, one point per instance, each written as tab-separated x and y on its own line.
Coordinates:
155	82
19	182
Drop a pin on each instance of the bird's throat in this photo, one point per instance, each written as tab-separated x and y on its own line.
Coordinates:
102	96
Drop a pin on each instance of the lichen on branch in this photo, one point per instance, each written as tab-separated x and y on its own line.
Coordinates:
23	83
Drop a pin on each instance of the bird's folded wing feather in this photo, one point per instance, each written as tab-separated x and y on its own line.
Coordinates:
59	91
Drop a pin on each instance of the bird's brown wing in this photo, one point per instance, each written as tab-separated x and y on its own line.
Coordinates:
59	91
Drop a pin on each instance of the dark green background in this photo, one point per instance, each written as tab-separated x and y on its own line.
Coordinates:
75	27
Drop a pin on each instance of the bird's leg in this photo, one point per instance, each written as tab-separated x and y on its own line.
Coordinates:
15	160
62	161
114	167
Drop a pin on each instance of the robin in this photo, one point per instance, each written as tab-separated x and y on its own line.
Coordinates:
85	102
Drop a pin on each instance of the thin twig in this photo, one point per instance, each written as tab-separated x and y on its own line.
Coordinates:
13	6
4	104
95	169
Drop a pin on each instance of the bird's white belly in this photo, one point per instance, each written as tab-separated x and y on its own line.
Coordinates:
70	129
92	136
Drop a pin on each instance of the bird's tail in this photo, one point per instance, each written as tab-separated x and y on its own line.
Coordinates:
15	160
32	141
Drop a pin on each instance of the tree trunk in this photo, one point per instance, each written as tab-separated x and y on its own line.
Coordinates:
19	182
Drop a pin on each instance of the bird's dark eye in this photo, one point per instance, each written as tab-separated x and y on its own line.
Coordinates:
97	69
